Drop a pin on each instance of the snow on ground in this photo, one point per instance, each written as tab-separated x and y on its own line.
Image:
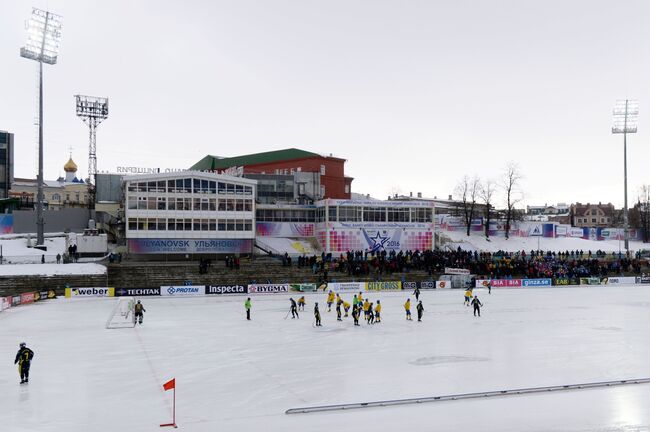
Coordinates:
16	251
234	375
51	269
477	241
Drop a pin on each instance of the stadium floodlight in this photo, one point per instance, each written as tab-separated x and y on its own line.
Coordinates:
43	37
92	110
626	116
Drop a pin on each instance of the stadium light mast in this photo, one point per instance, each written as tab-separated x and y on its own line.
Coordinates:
626	115
43	37
92	110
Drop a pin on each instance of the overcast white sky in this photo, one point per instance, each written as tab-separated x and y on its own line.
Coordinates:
414	94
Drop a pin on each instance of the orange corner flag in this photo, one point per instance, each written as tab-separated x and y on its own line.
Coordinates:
171	384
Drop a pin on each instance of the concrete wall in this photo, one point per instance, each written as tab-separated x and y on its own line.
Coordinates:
66	219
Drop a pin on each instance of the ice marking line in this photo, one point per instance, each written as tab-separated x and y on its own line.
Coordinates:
453	397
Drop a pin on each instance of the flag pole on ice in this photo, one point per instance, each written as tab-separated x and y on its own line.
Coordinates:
171	385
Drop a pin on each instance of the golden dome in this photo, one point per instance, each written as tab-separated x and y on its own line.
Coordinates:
70	166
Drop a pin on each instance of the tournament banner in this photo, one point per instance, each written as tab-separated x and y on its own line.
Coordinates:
535	282
268	288
589	281
162	246
182	290
303	287
456	271
89	292
618	280
346	286
27	298
384	286
139	292
226	289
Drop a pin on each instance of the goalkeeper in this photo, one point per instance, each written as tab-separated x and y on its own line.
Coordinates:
139	312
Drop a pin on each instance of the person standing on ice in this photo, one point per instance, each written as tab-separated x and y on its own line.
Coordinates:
378	312
489	286
420	309
301	303
247	306
416	293
355	314
346	308
339	302
24	359
294	309
330	300
366	306
317	315
477	306
468	297
139	312
407	307
371	314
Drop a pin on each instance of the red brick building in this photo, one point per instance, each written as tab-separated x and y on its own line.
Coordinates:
334	183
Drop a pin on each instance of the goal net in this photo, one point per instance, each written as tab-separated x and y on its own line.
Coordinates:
123	315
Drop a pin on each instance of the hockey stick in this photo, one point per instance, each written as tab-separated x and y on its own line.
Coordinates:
287	315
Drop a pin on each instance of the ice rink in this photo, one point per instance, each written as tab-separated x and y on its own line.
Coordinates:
234	375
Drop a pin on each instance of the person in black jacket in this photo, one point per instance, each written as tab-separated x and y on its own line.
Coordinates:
24	358
139	312
420	310
477	306
317	315
294	309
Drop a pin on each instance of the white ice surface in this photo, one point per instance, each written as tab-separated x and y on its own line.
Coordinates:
234	375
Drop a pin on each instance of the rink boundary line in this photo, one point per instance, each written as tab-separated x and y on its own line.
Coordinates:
462	396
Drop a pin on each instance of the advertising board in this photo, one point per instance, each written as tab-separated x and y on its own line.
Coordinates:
499	283
268	288
384	286
90	292
346	286
535	282
137	292
182	290
226	289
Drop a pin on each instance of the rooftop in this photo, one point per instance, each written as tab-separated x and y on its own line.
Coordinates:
215	162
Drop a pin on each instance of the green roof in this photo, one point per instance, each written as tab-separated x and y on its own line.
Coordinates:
212	162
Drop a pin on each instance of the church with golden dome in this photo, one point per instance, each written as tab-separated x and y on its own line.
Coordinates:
68	191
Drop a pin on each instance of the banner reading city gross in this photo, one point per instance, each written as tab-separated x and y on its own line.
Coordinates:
384	286
268	288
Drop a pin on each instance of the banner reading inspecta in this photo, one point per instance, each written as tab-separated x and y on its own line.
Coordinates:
89	292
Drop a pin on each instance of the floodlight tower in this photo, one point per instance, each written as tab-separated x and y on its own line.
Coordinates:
92	110
626	115
44	35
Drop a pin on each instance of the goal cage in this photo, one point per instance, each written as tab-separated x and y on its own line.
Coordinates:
123	314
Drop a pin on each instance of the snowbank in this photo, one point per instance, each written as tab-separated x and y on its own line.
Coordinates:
51	269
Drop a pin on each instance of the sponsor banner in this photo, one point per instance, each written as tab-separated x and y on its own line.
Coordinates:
643	279
498	283
618	280
303	287
456	271
560	231
226	289
576	232
5	303
15	300
589	281
442	284
140	292
564	281
384	286
535	282
182	290
27	298
421	285
346	286
89	292
162	246
268	288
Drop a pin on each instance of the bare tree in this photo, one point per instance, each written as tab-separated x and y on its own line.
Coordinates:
486	192
468	190
510	185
